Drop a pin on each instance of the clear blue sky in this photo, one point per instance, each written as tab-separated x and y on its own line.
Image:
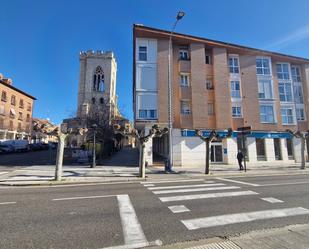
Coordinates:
41	39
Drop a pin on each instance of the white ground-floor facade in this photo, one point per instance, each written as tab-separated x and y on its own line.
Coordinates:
190	151
12	135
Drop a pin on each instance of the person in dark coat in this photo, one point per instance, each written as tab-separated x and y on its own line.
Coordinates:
240	157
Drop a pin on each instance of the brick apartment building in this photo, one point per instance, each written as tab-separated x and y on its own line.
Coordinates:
16	108
218	85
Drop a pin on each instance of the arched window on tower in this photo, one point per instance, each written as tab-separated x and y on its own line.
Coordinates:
98	80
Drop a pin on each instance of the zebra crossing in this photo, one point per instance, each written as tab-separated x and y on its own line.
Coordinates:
187	191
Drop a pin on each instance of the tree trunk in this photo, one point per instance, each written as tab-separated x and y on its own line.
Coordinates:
303	163
142	161
59	160
207	157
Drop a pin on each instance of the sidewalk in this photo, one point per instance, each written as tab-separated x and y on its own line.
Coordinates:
289	237
44	174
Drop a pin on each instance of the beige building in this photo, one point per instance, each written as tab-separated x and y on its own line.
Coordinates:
16	108
97	99
44	131
219	85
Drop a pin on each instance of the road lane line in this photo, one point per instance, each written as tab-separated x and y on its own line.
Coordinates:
228	219
8	202
193	190
83	197
186	186
272	200
179	209
171	181
132	230
205	196
149	185
239	182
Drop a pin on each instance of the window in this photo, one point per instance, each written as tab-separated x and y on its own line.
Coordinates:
262	66
295	72
298	94
209	85
98	80
142	53
283	71
184	80
287	115
3	96
267	114
19	126
11	126
285	92
13	100
208	56
289	146
20	116
21	103
233	65
265	89
300	114
184	54
12	113
211	110
29	107
235	89
101	101
2	111
93	100
28	117
147	114
185	107
236	112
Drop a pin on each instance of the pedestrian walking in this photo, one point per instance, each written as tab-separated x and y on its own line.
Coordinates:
240	157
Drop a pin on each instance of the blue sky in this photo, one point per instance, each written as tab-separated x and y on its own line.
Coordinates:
41	40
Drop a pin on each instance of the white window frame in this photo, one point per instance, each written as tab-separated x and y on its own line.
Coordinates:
295	86
298	116
281	71
274	113
233	83
233	68
184	79
182	52
261	89
286	107
209	84
285	92
262	67
238	114
185	111
297	77
143	52
148	114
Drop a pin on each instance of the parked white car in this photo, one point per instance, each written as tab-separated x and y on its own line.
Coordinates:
18	145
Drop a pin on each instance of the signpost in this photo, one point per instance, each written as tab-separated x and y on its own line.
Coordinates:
244	131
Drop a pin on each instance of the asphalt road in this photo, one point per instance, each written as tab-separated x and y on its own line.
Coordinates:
134	215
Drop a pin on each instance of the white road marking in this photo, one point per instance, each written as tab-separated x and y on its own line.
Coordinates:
272	200
3	172
239	182
186	186
179	209
132	230
283	184
83	197
205	196
193	190
7	203
170	181
138	245
148	185
227	219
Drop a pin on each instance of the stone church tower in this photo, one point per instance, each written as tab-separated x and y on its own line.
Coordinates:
97	86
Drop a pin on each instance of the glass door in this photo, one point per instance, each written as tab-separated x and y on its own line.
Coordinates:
216	155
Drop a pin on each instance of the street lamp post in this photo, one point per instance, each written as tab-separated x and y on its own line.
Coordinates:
169	78
93	165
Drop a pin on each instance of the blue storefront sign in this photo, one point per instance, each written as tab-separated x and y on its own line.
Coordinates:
255	134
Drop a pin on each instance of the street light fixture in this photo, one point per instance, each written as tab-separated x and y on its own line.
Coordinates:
93	165
179	16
